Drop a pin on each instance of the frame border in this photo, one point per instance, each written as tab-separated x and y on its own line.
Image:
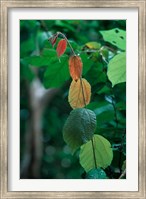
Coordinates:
5	5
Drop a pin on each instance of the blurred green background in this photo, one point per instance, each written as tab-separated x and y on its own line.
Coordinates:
43	152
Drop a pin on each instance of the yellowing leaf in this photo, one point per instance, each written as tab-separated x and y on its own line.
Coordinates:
93	45
75	67
79	93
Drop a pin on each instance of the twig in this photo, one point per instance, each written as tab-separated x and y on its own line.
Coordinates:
123	174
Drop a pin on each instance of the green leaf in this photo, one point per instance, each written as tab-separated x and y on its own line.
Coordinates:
103	153
96	174
87	63
96	74
26	47
50	53
111	133
104	90
57	72
79	127
44	60
121	105
117	69
115	36
104	112
37	61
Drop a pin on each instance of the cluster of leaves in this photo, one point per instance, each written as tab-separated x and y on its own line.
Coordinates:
100	68
80	126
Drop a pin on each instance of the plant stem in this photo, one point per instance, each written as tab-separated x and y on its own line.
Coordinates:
83	91
115	111
92	141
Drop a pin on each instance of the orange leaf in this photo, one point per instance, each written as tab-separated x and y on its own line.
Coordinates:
75	67
79	93
61	47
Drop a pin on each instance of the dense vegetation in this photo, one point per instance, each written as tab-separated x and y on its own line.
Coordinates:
65	134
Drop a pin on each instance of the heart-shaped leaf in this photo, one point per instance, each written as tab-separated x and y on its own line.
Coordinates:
96	153
79	93
79	127
117	69
116	37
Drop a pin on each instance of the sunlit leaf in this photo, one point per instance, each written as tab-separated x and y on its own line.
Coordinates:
99	156
116	37
79	93
117	69
75	67
79	127
61	47
93	45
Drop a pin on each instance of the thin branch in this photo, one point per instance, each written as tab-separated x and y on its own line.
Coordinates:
94	156
123	174
83	91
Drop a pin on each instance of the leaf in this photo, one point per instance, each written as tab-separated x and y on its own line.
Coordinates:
53	39
44	60
96	174
61	47
87	63
27	47
57	73
104	90
96	74
103	153
50	53
93	45
104	112
116	37
117	69
75	67
79	93
37	61
79	127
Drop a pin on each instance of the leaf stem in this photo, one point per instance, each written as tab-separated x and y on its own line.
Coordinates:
115	111
92	141
83	91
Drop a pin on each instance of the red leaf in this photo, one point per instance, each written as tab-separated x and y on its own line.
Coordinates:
61	47
53	39
75	67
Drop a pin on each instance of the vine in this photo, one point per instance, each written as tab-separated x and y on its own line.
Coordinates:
84	131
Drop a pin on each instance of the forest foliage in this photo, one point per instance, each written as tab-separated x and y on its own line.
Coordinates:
73	99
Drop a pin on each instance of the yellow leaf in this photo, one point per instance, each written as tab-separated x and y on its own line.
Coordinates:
79	93
93	45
